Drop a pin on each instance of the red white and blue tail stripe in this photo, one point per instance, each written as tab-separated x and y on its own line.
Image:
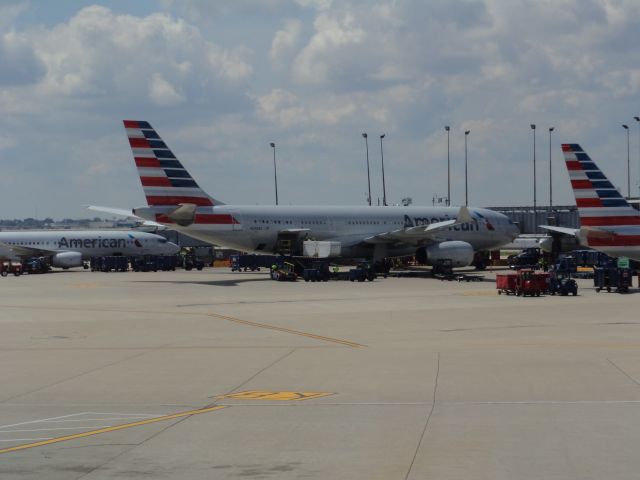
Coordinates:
164	180
606	218
173	196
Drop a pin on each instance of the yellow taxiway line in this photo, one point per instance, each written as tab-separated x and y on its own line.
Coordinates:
287	330
109	429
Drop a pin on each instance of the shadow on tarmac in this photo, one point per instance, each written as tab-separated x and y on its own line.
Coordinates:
211	283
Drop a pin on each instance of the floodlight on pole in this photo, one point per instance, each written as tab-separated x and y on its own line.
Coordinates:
550	173
366	143
447	128
275	170
626	127
535	211
466	185
637	119
384	191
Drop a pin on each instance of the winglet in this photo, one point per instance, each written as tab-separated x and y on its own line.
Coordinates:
464	216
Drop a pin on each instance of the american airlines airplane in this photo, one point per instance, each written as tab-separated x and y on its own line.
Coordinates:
68	248
432	234
607	222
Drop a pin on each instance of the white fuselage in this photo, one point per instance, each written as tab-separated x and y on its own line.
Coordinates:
257	228
86	242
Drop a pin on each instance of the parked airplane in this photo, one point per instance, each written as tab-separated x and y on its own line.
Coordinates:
68	248
431	233
607	222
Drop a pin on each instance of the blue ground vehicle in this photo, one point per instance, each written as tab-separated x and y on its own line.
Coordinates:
612	278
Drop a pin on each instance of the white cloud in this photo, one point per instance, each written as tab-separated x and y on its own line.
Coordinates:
317	4
162	93
99	54
313	64
285	41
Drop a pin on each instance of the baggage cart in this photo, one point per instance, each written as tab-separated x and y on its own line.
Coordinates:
506	283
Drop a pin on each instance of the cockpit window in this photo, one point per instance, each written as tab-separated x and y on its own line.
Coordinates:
162	240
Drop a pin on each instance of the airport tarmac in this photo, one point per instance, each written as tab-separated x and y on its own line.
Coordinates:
221	375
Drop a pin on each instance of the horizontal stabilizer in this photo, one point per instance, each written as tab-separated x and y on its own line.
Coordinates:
564	230
184	215
123	212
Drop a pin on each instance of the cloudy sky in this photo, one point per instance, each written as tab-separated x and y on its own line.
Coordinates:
220	80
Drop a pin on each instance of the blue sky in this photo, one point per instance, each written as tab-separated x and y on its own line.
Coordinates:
221	80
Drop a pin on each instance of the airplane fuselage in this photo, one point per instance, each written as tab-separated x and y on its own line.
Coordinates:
258	228
86	242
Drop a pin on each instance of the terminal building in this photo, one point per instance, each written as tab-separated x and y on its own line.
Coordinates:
528	219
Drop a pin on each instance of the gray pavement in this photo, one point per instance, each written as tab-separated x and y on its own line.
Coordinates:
419	379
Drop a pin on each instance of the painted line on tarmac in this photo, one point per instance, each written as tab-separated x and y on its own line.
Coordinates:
110	429
270	395
286	330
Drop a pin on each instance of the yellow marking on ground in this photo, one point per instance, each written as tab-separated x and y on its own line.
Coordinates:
109	429
281	396
286	330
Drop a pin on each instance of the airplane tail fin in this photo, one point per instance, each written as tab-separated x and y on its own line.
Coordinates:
166	183
600	204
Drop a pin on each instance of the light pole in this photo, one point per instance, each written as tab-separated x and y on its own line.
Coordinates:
466	185
275	171
626	127
384	191
448	168
366	143
550	173
637	119
535	210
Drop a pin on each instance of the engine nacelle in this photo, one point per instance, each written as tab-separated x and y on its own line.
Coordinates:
546	244
459	253
67	260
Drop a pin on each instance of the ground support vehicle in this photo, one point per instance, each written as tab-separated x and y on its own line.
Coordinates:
317	272
167	263
528	258
35	265
529	282
562	284
147	263
190	262
362	272
10	267
506	283
109	264
284	272
463	277
254	263
612	278
443	270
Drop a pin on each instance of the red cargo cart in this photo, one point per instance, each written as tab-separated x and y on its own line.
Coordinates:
524	282
529	282
506	283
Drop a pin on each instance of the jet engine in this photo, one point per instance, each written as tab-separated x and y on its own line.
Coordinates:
546	244
67	260
459	253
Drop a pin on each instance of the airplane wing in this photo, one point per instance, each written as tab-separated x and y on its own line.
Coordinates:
20	251
420	233
572	232
123	212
